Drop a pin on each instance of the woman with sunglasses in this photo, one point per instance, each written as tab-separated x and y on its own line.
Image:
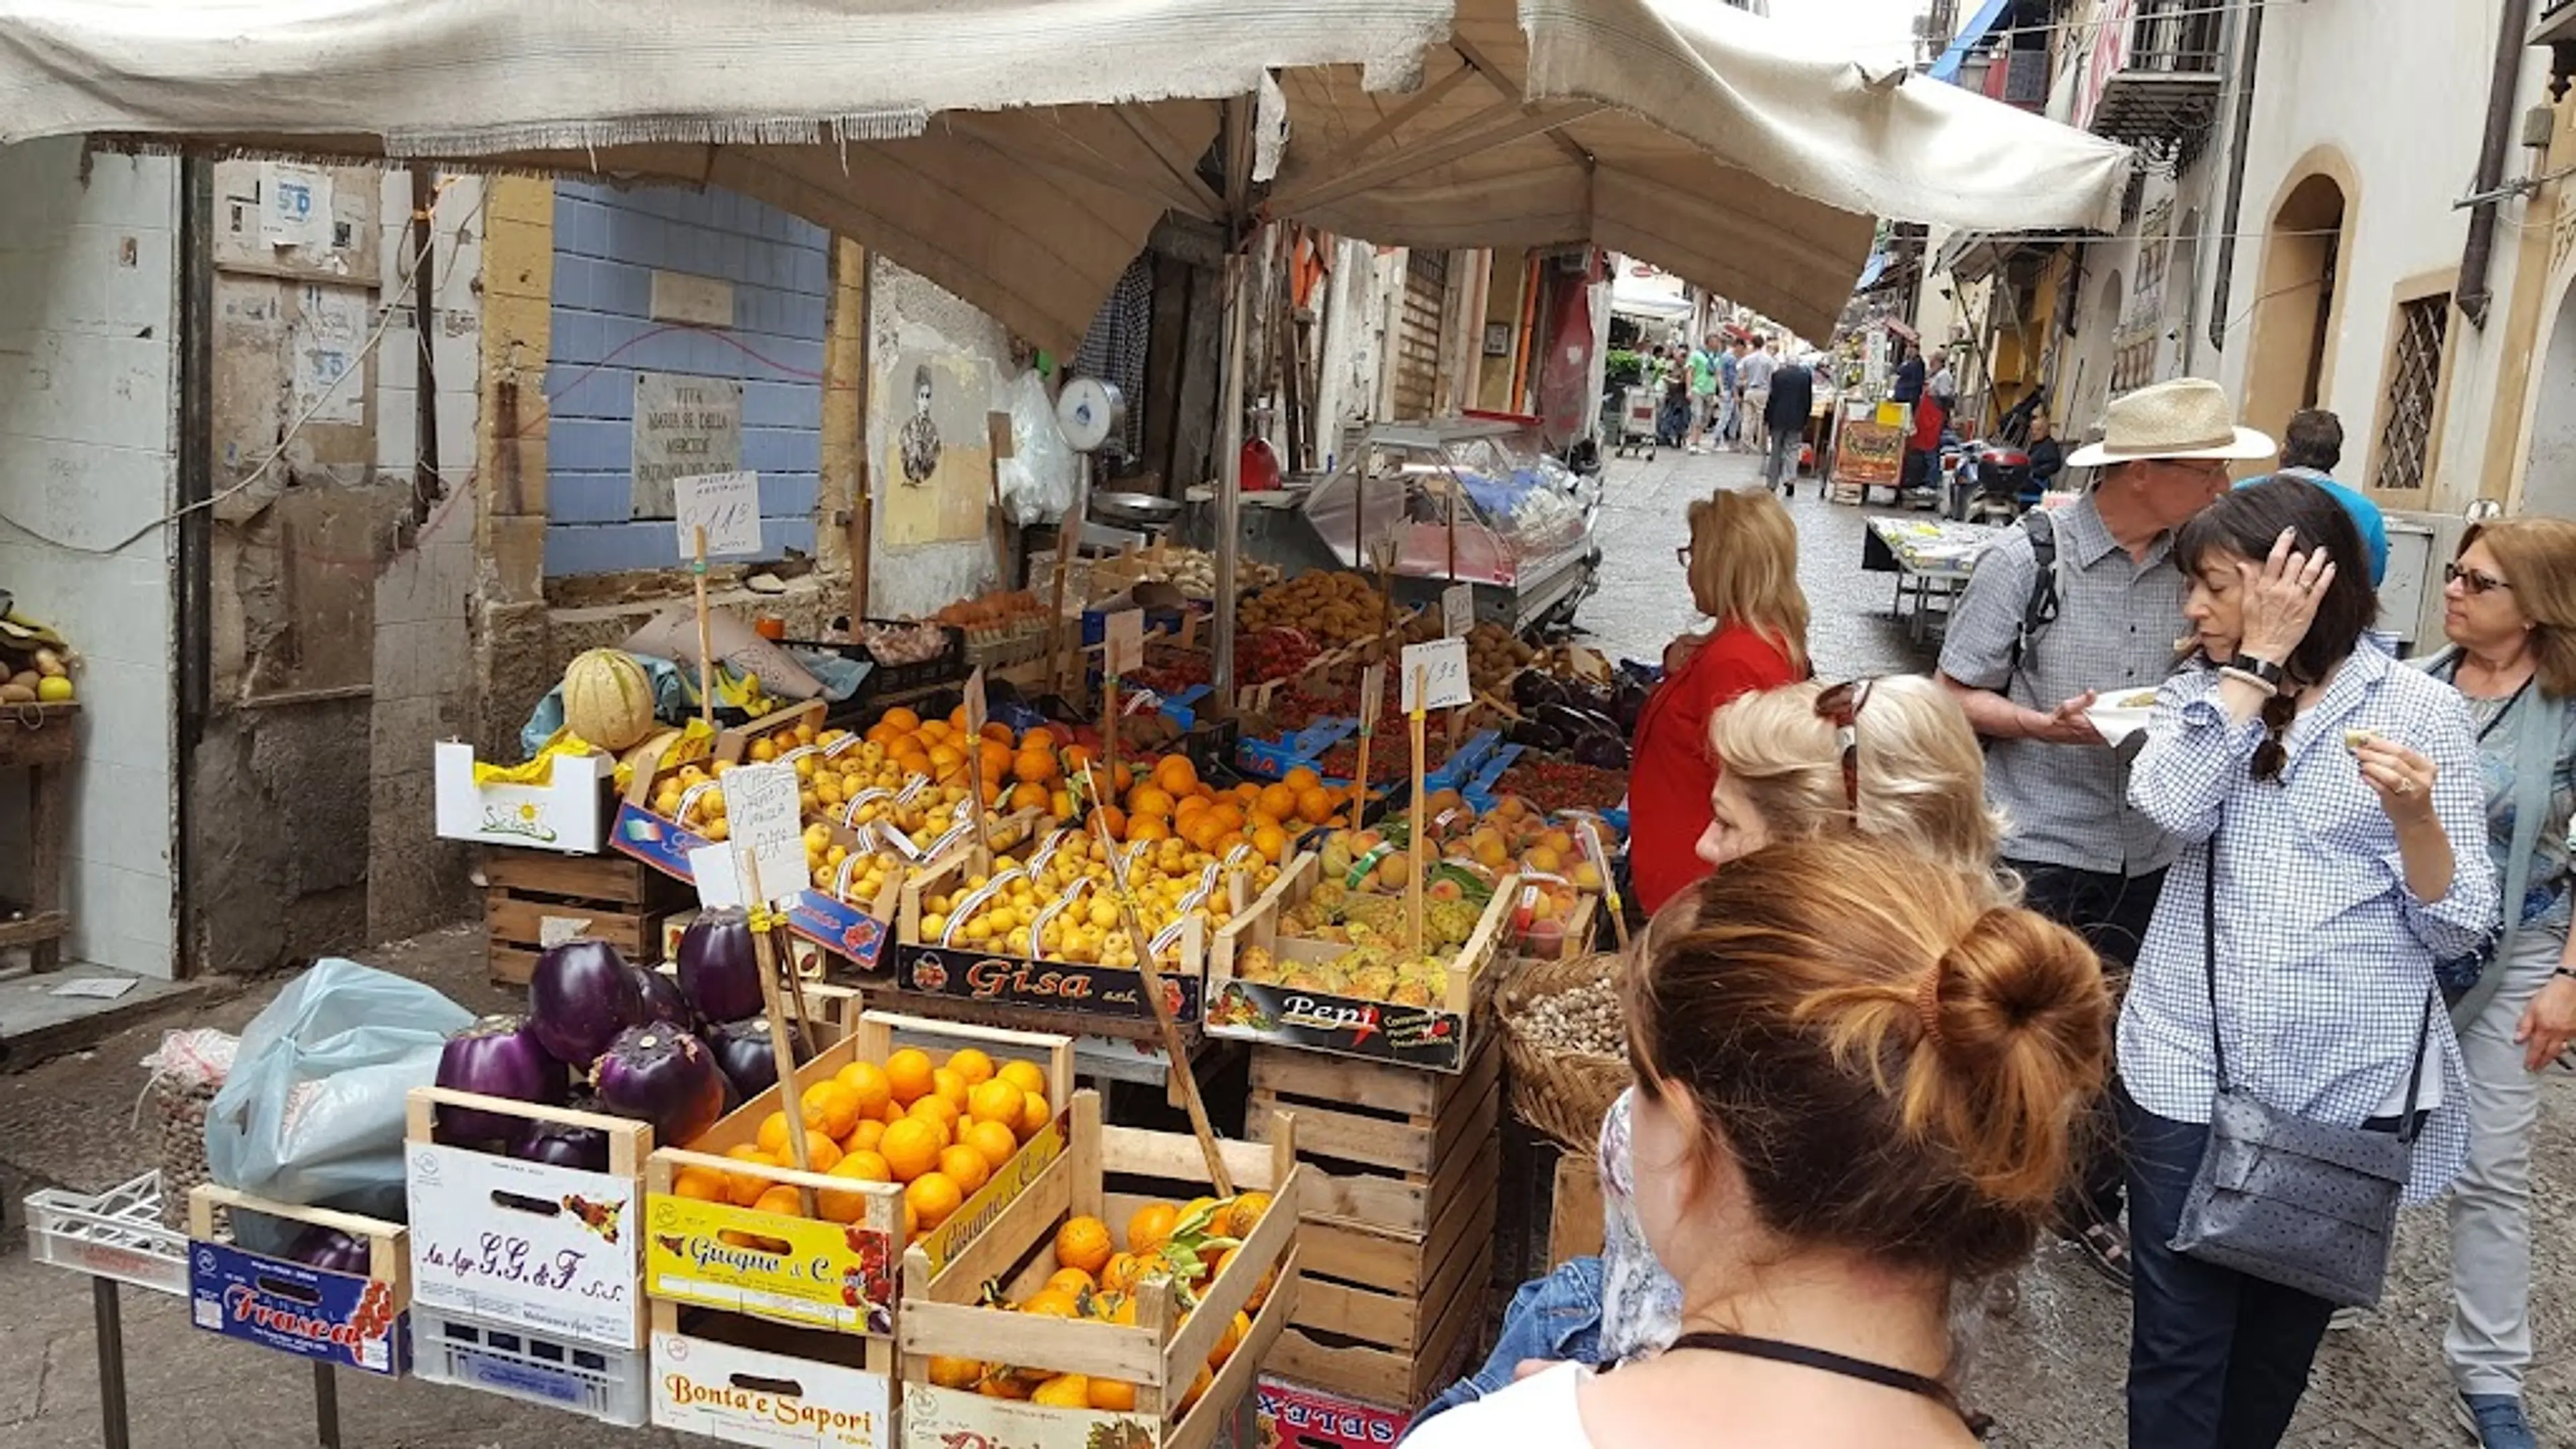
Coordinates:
2329	807
1851	1100
1893	759
2509	609
1742	562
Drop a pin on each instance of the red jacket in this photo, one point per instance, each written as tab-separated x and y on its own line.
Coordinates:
1672	769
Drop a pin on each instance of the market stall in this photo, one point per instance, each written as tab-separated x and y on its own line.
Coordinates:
1475	501
1321	824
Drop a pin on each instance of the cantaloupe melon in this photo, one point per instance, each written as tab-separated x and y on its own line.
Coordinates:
608	698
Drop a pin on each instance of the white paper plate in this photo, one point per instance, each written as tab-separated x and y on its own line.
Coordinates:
2115	717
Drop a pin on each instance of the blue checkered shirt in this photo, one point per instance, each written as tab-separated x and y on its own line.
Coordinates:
2324	956
2117	617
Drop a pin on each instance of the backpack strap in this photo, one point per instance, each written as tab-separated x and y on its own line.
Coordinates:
2040	609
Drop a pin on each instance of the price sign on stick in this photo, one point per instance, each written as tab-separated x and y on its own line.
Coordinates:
761	822
1125	651
975	702
1458	610
1438	671
726	505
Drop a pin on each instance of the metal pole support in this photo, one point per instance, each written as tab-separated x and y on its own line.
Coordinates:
113	1432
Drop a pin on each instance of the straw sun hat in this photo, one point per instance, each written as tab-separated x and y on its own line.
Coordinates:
2188	417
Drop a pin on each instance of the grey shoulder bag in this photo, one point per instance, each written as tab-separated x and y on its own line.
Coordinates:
2301	1203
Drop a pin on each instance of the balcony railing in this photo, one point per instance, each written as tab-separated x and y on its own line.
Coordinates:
2154	74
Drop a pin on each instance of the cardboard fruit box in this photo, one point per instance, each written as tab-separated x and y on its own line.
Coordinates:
836	1271
553	1250
1432	1037
349	1320
1159	1358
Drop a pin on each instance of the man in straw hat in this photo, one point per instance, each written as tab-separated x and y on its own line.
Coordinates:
2073	604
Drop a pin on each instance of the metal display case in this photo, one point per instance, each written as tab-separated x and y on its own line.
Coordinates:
1470	500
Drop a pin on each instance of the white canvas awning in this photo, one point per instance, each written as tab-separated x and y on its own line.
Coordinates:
1018	152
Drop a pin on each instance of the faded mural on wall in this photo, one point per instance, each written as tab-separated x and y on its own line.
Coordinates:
936	477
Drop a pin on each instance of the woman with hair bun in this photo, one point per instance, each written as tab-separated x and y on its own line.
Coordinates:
1851	1099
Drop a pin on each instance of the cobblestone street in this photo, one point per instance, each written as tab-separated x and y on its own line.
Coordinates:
2048	1348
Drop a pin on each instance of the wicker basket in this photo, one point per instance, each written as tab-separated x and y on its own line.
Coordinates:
181	1109
1562	1093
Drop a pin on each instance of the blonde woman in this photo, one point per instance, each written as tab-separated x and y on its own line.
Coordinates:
1742	560
1893	759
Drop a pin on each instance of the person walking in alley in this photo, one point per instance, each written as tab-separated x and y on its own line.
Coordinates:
2333	824
1755	373
1730	392
1704	370
2310	449
2067	603
1908	384
1793	398
2509	610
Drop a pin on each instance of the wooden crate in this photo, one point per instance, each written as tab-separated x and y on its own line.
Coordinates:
1394	1144
1161	1354
1574	1220
536	895
1398	1242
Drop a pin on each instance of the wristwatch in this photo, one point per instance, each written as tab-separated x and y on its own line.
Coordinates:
2272	675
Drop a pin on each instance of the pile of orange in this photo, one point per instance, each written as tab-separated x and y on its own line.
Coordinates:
1093	1280
940	1129
1020	772
1166	800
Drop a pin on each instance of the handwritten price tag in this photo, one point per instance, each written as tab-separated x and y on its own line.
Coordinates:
762	823
1458	610
726	505
1440	668
552	1249
1125	651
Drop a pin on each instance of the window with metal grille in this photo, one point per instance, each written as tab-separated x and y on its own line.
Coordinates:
2414	381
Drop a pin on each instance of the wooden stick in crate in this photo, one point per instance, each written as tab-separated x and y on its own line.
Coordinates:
766	930
1413	878
1152	973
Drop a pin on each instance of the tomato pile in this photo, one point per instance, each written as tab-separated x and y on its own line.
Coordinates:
1552	785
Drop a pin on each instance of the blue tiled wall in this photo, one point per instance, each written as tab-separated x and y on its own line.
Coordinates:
608	243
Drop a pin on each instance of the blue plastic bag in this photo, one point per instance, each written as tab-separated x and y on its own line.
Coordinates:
312	1114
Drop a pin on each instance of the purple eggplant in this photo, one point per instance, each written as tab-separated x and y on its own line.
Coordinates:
559	1144
496	1057
719	970
580	996
661	1075
662	999
331	1250
745	1055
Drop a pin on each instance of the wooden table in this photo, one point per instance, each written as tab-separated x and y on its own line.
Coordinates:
43	739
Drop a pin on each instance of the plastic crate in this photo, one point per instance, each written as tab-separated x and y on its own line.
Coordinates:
611	1385
887	680
113	1234
1273	759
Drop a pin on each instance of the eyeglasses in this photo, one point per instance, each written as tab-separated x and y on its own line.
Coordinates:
2471	580
1840	707
2271	755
